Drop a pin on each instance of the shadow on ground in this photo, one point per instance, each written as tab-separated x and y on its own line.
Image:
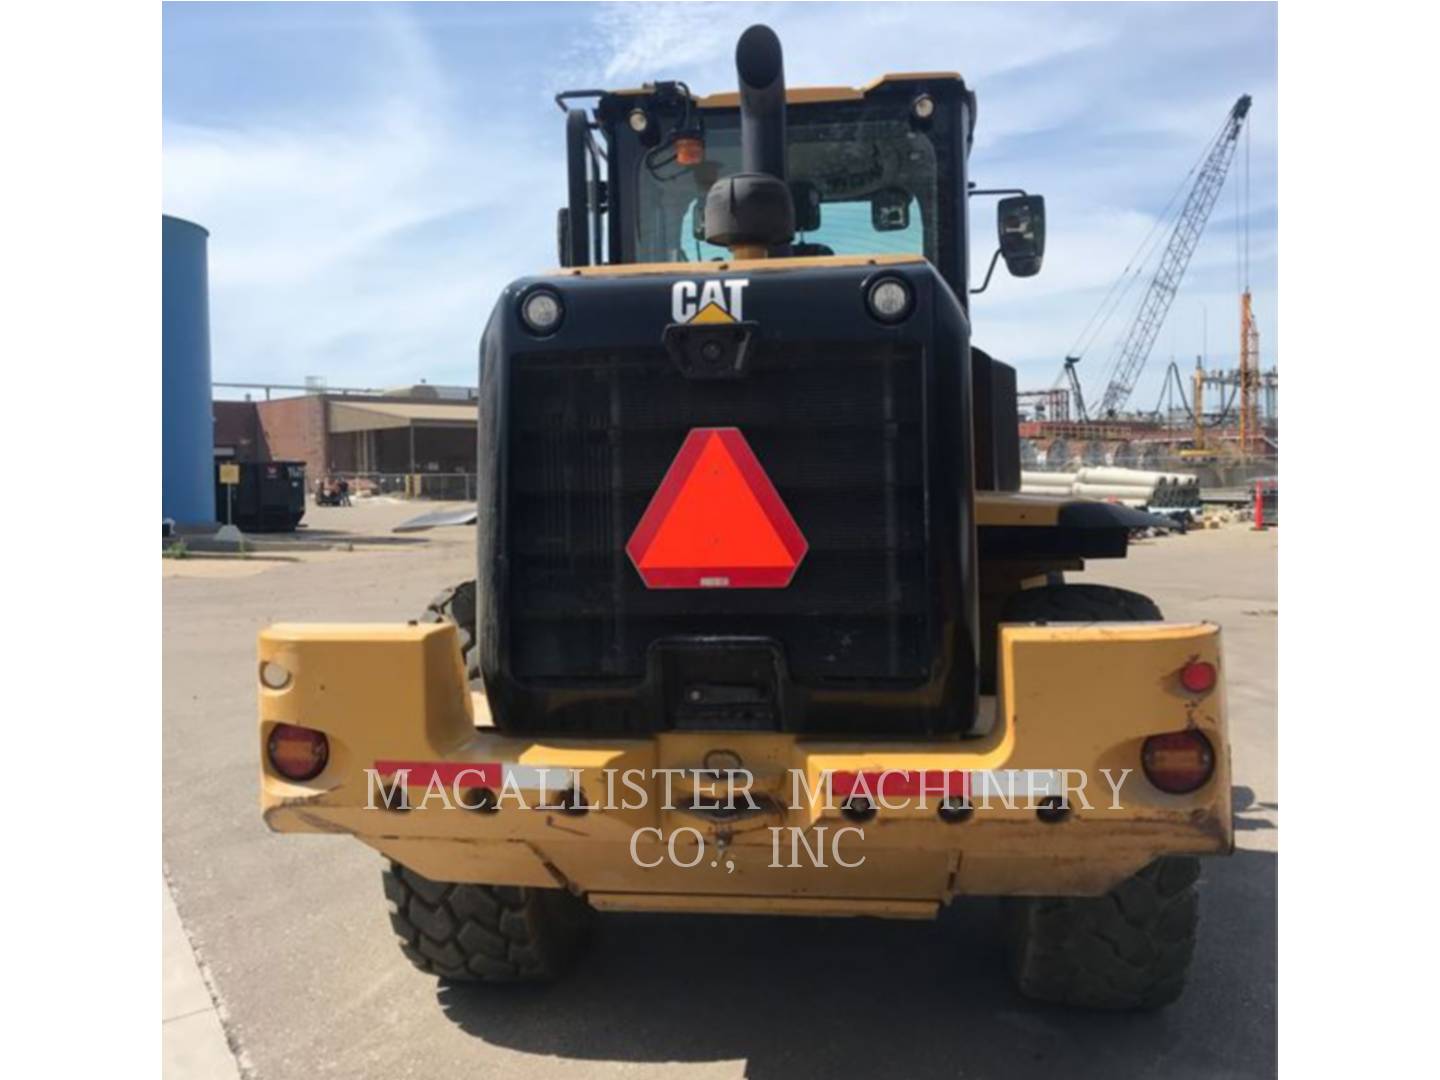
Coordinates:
821	998
369	537
1248	810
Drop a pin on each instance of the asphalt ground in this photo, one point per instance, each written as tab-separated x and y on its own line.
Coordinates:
293	937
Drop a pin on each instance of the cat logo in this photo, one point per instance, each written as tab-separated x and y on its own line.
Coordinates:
711	301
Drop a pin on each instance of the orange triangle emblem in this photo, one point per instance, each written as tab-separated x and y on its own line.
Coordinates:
712	313
716	521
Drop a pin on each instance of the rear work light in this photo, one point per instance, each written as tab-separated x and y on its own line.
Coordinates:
541	312
1198	676
889	300
1178	762
298	753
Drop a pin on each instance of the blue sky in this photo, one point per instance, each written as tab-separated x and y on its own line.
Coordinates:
372	175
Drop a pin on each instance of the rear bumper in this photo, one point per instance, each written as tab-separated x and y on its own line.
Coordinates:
1075	704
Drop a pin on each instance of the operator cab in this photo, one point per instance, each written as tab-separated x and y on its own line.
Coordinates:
875	171
879	170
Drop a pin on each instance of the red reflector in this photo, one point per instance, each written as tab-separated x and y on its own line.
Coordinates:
298	753
1198	676
1178	762
902	782
716	521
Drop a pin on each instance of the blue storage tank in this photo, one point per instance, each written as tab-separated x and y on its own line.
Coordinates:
187	424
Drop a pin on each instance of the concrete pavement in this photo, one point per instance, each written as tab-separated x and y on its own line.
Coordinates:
296	942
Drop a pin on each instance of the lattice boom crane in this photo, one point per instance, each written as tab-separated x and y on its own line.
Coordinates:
1191	223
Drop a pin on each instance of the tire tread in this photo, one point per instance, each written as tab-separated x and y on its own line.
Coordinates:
457	605
1080	603
489	933
1108	953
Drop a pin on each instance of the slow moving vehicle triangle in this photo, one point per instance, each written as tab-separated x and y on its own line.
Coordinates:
716	521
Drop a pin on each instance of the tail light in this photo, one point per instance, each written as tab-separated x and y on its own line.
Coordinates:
1198	676
297	753
1178	762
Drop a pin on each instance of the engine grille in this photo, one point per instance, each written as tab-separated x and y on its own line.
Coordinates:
839	428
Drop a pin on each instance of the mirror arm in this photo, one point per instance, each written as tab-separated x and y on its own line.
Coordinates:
988	273
998	191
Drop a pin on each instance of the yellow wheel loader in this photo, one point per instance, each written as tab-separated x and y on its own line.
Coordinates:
761	622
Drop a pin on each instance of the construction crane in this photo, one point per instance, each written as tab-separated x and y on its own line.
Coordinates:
1248	380
1075	391
1251	437
1155	305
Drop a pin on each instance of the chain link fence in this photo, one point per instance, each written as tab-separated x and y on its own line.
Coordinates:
442	487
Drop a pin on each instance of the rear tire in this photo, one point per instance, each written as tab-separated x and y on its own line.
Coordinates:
1080	603
1128	949
485	933
456	605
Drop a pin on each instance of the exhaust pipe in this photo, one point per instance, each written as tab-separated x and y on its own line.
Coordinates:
752	211
760	66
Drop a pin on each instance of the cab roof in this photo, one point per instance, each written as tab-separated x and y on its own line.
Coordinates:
798	95
807	95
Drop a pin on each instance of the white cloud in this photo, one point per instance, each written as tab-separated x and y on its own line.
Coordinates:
826	45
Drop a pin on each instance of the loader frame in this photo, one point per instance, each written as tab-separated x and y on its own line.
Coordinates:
394	704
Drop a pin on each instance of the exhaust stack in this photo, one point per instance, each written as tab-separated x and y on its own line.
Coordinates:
760	66
752	211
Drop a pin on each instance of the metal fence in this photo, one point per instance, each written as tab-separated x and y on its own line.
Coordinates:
446	487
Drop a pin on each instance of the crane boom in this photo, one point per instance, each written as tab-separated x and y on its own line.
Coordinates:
1188	226
1075	391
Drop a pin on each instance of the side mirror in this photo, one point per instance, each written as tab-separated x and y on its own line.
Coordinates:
1021	222
890	210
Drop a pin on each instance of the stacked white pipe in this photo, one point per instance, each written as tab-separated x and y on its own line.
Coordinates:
1133	487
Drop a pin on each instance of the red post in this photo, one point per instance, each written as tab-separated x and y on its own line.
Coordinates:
1259	507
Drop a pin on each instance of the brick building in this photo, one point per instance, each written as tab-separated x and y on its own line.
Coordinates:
425	430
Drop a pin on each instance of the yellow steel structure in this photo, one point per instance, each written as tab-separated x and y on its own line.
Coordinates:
1197	409
1075	697
1249	376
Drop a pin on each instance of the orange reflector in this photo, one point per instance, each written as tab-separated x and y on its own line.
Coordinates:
716	521
1198	676
1178	762
298	753
689	151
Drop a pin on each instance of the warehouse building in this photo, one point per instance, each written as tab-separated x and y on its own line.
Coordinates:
375	438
